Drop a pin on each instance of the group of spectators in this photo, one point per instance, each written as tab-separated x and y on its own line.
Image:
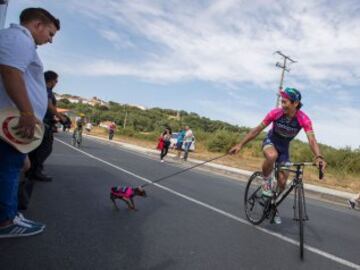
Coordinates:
25	95
184	140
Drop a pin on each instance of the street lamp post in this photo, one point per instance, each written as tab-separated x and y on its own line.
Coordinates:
284	67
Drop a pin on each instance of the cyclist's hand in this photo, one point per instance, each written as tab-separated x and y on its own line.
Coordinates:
236	149
320	163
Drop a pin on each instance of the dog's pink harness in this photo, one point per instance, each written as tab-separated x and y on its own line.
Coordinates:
126	192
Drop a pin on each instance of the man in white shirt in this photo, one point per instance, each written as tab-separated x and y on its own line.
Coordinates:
22	86
188	139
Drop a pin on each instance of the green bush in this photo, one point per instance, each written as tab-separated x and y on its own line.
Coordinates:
152	136
221	141
130	132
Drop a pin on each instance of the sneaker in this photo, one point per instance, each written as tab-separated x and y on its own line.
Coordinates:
18	230
40	177
277	219
266	189
351	204
20	219
162	161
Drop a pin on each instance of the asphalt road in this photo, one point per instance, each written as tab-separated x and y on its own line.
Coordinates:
191	221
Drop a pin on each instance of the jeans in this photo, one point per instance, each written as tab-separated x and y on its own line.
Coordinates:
186	149
11	163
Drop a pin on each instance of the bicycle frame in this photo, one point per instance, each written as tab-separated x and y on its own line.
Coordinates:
295	184
270	204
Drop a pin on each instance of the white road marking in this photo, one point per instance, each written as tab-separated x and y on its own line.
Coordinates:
222	212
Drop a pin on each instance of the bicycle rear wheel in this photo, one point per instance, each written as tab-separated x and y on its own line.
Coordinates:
301	220
255	204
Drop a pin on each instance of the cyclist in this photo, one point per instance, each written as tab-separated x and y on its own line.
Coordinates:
80	123
287	122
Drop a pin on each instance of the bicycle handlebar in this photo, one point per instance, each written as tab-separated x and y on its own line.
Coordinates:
302	164
297	164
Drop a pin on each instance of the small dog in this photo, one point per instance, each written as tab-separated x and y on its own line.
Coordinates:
126	194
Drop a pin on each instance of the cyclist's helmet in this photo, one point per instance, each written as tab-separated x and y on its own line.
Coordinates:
292	94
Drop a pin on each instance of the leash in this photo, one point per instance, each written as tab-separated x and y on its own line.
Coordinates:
182	171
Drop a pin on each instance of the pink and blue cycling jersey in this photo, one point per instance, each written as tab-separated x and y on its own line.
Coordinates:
285	129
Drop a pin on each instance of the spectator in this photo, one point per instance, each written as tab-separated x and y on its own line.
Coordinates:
40	154
180	142
112	128
188	139
354	201
66	123
22	86
165	136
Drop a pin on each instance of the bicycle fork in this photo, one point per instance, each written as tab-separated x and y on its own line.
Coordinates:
299	188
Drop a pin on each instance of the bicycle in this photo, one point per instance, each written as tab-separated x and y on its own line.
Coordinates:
77	138
267	206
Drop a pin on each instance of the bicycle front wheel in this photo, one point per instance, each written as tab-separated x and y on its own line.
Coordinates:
255	204
301	220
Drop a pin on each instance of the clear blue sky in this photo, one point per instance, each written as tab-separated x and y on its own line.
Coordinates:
211	57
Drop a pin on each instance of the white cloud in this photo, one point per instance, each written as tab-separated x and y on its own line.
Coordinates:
338	127
233	41
120	41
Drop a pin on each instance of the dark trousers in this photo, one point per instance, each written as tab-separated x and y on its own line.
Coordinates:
111	134
39	155
165	150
